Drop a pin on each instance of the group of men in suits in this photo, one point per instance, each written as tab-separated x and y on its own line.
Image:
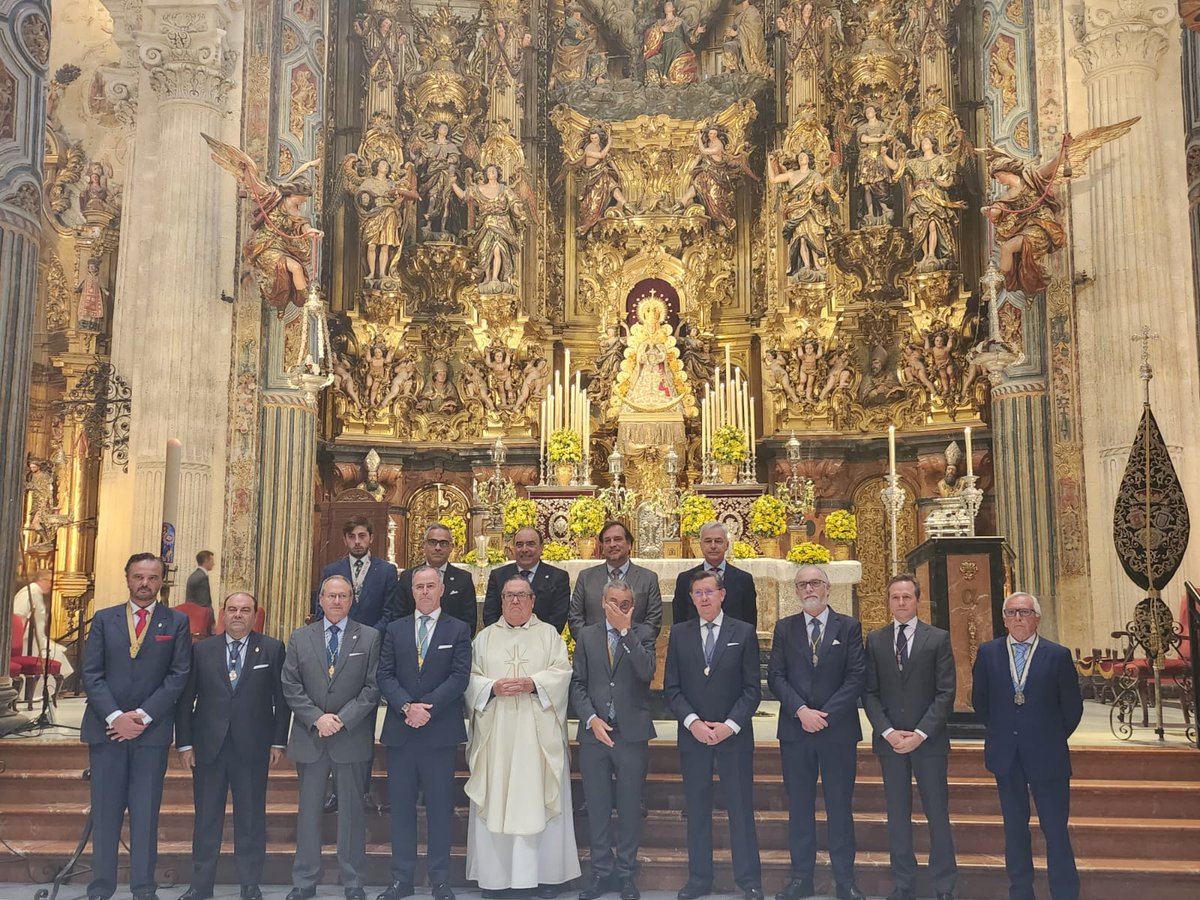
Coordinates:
229	701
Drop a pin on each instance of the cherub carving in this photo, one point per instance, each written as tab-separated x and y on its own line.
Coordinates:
533	382
377	371
941	345
841	375
781	378
403	385
810	368
475	385
915	368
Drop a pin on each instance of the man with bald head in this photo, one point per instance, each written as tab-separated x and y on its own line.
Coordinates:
1026	693
551	585
231	727
329	681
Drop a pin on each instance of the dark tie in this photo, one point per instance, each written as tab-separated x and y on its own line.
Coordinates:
333	647
710	643
527	574
357	580
902	646
815	639
614	574
235	661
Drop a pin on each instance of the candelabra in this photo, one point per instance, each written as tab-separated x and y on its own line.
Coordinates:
797	493
312	371
494	493
618	499
995	355
972	497
893	497
671	497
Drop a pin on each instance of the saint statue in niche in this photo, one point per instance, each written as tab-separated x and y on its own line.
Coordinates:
667	49
714	175
600	185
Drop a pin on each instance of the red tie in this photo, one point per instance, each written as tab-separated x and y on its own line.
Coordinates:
141	622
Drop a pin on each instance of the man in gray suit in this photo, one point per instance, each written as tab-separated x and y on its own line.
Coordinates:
199	588
329	682
909	697
610	686
587	601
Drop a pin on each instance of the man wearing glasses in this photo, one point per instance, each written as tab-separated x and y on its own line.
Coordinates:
1026	694
458	596
521	830
818	670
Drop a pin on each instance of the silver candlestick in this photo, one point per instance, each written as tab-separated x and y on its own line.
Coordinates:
893	497
972	498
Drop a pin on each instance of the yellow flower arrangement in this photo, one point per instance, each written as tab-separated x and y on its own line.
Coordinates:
841	525
565	446
694	511
557	551
729	444
768	516
458	528
808	554
569	640
494	557
518	514
742	550
586	516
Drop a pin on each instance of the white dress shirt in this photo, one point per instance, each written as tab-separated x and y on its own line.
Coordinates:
716	633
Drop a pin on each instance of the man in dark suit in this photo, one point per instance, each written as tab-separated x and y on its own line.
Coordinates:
712	684
551	586
909	697
817	671
587	600
373	579
199	588
329	682
741	597
135	667
231	727
610	686
1026	693
458	597
424	670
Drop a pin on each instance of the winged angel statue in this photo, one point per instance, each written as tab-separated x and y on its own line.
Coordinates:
1027	216
280	250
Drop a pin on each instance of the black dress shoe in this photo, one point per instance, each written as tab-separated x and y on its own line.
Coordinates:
629	890
597	886
693	890
796	890
330	807
193	894
945	895
548	891
396	890
753	892
149	895
492	895
441	891
251	892
356	894
850	892
302	893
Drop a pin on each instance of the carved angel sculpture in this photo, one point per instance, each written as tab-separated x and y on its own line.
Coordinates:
932	215
500	217
384	200
600	182
714	175
777	371
280	248
1027	215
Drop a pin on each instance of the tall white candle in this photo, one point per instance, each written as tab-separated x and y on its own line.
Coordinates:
892	449
970	462
542	430
750	433
567	363
704	427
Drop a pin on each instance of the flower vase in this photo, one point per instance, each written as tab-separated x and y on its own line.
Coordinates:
768	547
840	551
564	472
585	547
727	472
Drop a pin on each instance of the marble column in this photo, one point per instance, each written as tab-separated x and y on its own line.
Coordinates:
171	333
1133	204
24	51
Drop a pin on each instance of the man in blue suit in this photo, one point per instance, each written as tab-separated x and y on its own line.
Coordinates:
135	667
712	682
1026	693
424	669
741	597
817	671
373	579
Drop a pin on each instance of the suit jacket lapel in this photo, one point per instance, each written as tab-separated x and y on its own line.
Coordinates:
253	642
724	633
349	640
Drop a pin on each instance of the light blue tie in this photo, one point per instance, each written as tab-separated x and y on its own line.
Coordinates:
423	639
613	637
1020	653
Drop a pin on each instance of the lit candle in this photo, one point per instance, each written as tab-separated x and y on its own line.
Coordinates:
892	449
481	550
970	464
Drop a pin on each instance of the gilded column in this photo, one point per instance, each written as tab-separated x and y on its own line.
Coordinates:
1134	208
24	51
171	333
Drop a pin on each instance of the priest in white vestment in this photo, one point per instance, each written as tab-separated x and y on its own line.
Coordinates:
521	833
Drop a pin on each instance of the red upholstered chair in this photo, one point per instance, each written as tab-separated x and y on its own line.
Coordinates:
30	667
200	620
260	621
15	649
1177	669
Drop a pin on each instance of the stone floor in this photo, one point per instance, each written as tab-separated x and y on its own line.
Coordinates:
12	891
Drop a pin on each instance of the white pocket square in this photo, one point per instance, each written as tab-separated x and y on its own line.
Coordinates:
734	644
453	592
359	653
263	666
835	642
445	646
